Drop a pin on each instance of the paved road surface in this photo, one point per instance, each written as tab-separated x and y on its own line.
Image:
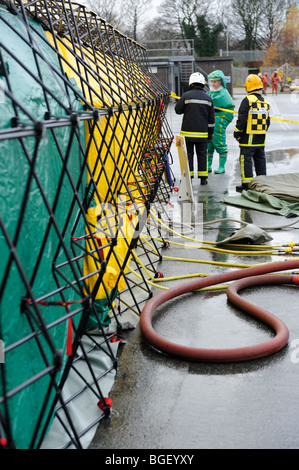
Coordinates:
165	403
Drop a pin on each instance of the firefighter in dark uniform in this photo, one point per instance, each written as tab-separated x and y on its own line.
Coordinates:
251	128
198	124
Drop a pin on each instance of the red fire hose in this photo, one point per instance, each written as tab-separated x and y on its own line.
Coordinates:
249	277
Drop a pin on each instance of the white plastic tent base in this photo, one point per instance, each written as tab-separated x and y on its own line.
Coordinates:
82	401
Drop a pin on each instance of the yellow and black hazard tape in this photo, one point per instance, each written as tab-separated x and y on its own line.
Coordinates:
173	95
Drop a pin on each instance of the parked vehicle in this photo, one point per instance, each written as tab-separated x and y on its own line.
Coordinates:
294	84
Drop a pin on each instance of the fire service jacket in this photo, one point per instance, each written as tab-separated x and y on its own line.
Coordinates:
253	121
199	115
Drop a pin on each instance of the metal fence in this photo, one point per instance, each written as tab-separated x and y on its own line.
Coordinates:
240	73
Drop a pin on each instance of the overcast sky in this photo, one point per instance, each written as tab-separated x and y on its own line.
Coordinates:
85	2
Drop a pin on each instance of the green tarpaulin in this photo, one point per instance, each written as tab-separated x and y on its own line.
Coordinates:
264	203
275	194
26	171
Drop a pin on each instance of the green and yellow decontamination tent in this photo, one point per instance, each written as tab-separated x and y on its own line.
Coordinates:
84	148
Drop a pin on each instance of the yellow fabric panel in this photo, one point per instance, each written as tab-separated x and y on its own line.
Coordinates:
127	219
73	69
92	261
118	165
118	138
115	73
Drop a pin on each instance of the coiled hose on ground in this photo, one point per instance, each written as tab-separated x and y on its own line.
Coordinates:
255	276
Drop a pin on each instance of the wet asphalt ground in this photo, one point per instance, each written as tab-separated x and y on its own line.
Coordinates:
164	403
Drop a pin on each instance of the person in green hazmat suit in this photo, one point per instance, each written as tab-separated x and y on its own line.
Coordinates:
221	99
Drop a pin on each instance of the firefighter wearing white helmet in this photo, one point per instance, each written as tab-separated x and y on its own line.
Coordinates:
197	78
251	128
198	124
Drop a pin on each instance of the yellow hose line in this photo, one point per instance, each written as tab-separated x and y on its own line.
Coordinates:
136	274
222	250
142	265
214	263
184	276
153	284
144	238
177	243
176	233
261	247
256	247
154	281
218	250
162	279
288	245
287	249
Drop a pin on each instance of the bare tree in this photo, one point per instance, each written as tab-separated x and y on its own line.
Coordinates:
256	23
156	30
135	13
108	10
248	14
275	13
175	12
288	42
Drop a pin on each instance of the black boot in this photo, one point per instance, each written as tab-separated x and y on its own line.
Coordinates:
242	187
204	180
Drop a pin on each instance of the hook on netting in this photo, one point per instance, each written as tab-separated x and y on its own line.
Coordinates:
105	405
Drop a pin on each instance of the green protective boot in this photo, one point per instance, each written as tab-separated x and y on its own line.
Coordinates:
221	168
210	161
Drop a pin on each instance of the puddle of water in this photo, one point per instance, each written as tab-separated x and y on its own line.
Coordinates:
282	161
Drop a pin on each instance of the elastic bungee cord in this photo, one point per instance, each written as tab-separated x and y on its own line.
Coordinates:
256	276
228	219
266	249
154	280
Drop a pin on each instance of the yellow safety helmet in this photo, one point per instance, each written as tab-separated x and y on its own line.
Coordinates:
253	82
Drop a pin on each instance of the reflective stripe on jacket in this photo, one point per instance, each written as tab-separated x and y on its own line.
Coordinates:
257	116
253	121
199	116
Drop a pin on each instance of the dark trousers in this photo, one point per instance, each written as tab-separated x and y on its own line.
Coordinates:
201	149
250	156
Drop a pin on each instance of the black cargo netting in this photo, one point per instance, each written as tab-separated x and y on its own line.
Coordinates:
85	151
